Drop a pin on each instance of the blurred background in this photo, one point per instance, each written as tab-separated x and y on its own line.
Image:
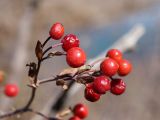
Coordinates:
98	24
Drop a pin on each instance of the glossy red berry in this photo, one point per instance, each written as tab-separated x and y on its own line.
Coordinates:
76	57
11	90
125	67
81	111
74	118
118	86
69	41
56	31
114	54
109	67
90	94
101	84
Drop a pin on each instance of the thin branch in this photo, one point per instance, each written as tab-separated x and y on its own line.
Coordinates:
18	111
31	98
38	113
46	41
47	50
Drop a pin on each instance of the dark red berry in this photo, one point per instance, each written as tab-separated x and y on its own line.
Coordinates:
101	84
76	57
56	31
69	41
125	67
114	54
118	86
81	111
74	118
11	90
109	67
90	94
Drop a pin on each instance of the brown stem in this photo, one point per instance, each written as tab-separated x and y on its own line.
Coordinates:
31	98
24	110
54	46
45	42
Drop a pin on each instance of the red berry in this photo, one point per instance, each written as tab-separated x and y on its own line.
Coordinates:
90	94
114	54
74	118
76	57
81	111
56	31
101	84
117	86
70	41
11	90
109	67
125	67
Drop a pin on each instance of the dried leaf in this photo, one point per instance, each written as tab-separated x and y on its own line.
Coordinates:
32	69
69	71
56	53
38	50
84	68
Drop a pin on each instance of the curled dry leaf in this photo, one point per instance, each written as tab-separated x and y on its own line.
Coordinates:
73	71
39	50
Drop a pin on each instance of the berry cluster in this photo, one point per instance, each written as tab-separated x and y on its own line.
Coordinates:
113	64
97	82
10	90
76	56
80	111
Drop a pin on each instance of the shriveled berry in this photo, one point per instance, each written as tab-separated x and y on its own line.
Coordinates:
118	86
56	31
74	118
125	67
76	57
101	84
81	111
114	54
69	41
109	67
11	90
90	94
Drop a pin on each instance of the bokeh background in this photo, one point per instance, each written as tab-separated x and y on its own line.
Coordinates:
98	24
